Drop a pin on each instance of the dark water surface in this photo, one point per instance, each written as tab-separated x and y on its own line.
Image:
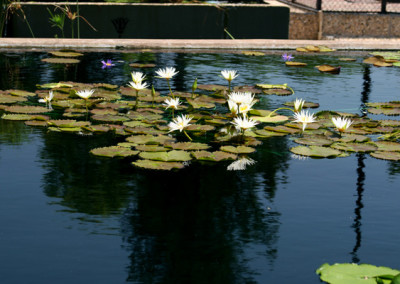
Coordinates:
69	217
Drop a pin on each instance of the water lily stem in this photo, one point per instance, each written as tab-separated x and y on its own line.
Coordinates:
269	115
170	90
187	135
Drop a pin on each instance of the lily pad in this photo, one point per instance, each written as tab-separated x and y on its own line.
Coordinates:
188	146
345	273
271	119
110	118
282	129
54	85
158	165
305	105
388	146
238	149
26	109
9	99
142	65
316	140
253	53
113	151
316	151
65	53
328	68
265	134
354	147
386	155
21	93
150	139
67	123
59	60
348	59
196	103
295	64
151	148
17	116
172	156
199	127
213	156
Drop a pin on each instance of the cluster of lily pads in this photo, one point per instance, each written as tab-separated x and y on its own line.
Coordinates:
220	123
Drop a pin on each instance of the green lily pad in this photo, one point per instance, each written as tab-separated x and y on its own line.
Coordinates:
26	109
249	89
196	103
213	156
110	118
40	123
66	53
20	93
188	146
17	116
295	64
282	129
113	151
158	165
277	92
135	123
9	99
142	65
151	148
388	146
199	127
346	273
271	119
385	111
253	53
136	115
59	60
354	147
305	105
389	122
144	130
172	156
106	86
54	85
328	68
386	155
387	54
100	128
67	123
316	140
150	139
350	138
259	112
265	134
347	59
316	151
238	149
213	88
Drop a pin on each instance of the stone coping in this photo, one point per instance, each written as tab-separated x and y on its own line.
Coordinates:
188	44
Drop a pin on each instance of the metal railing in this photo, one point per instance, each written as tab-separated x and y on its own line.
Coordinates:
366	6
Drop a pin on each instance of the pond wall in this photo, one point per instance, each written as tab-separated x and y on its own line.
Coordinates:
353	25
157	21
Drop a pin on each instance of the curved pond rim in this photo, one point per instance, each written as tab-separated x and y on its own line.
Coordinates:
192	44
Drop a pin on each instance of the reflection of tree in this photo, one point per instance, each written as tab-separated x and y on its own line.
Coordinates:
195	226
13	132
85	183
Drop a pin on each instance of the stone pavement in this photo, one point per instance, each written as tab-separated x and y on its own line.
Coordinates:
187	44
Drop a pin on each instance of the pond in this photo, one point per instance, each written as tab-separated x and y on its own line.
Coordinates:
68	216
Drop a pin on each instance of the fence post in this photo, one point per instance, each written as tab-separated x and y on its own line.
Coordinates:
319	5
383	6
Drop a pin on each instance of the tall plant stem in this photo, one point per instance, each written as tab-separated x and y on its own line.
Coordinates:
170	90
187	135
269	115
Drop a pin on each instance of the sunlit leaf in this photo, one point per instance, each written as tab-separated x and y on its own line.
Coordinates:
316	151
238	149
113	151
171	156
213	156
386	155
157	165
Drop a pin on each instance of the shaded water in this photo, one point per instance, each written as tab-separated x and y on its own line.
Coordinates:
69	217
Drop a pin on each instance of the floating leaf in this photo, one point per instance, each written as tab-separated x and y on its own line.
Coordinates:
282	129
172	156
264	133
36	123
354	147
213	88
271	119
328	68
387	146
351	138
196	103
199	127
238	149
259	112
151	148
67	123
9	99
345	273
187	146
17	117
26	109
150	139
316	151
347	59
54	85
21	93
113	151
253	53
110	118
58	60
323	48
316	140
213	156
305	105
65	53
386	155
142	65
295	64
157	165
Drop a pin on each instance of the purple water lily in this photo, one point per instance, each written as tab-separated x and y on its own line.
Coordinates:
287	57
107	64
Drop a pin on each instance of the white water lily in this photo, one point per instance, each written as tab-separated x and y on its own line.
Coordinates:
172	103
167	73
341	123
85	94
298	105
47	99
304	117
244	123
179	123
242	98
229	75
241	164
138	86
137	77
